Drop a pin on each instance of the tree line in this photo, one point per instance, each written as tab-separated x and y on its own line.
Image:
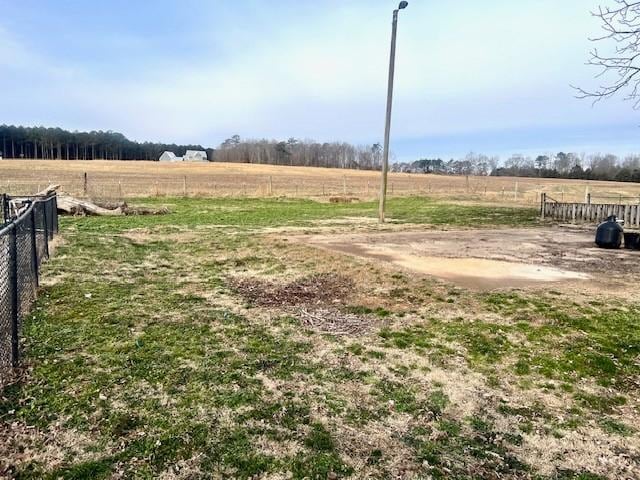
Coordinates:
471	164
295	152
570	165
58	144
561	165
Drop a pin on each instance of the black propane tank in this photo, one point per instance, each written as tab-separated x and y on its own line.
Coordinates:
609	233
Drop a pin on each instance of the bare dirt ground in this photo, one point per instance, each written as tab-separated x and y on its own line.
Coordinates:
126	179
490	259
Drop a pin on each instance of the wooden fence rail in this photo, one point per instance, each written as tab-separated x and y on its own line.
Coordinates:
589	212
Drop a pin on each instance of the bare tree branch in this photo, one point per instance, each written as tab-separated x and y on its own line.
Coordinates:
621	70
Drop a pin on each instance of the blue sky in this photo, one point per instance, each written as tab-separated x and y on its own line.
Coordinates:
491	77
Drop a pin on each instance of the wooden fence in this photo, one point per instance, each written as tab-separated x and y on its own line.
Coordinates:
589	212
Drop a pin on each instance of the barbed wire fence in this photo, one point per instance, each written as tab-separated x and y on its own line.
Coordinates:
28	224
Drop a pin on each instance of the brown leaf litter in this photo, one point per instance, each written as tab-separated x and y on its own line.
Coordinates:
317	289
314	300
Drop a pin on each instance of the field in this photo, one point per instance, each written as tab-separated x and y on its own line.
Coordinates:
115	180
289	338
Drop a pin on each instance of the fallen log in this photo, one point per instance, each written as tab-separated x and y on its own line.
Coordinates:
75	206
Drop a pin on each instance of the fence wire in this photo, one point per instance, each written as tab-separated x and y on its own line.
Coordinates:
5	303
27	226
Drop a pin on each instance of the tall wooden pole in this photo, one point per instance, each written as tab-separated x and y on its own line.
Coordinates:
387	127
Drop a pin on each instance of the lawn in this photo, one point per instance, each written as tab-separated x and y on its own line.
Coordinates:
196	345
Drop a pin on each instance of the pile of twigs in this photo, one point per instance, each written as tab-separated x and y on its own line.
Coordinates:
335	322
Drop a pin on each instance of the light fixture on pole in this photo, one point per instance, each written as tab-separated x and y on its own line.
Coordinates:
387	127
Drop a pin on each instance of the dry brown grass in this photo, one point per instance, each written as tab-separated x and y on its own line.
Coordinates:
125	179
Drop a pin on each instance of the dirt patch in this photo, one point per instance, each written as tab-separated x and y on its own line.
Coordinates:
350	221
473	272
319	289
488	259
343	199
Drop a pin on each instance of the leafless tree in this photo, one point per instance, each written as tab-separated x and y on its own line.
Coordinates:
299	152
621	67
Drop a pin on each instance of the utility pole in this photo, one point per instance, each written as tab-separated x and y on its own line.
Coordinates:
387	127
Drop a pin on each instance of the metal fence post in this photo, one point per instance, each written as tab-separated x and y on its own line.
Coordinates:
46	232
14	297
47	207
5	208
34	248
54	214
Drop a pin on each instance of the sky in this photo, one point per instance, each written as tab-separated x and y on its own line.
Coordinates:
491	76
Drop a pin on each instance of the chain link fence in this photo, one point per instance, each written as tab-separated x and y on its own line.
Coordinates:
27	226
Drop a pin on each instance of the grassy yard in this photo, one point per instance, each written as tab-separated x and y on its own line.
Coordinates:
153	353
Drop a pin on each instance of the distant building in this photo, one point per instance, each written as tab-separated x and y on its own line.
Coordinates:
195	156
169	157
190	156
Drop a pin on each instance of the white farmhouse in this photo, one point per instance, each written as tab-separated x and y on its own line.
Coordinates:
195	156
169	157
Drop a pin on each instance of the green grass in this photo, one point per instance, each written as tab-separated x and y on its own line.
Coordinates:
254	213
139	350
564	343
441	450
